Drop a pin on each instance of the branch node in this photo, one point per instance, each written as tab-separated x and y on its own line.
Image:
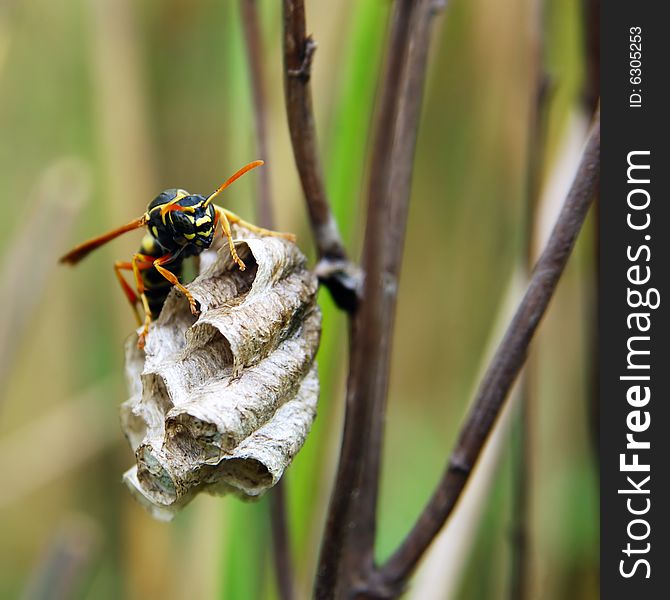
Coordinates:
304	72
378	587
460	465
344	280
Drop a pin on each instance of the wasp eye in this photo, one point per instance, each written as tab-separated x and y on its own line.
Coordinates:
182	222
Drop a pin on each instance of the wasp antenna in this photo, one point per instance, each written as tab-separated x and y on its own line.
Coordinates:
237	175
82	250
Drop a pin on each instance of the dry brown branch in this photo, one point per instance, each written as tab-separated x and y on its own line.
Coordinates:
504	367
347	558
334	269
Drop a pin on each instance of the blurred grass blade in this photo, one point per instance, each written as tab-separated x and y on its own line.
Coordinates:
30	258
5	36
54	443
119	83
244	562
440	573
351	122
67	561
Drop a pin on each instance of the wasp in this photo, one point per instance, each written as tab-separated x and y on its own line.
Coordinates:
178	225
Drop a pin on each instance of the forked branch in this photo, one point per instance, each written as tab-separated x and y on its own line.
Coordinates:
347	556
346	566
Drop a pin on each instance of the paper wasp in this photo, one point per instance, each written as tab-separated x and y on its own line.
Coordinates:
179	225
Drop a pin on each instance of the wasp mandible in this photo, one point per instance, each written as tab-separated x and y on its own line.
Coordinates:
179	225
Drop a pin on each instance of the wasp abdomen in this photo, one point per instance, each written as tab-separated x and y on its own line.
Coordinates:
156	287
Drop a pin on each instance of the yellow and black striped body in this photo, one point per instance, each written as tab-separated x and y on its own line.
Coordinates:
185	231
156	287
179	225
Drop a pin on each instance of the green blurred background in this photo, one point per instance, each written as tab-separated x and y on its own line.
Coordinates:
103	103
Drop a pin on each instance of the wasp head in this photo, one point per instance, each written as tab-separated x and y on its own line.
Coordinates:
181	221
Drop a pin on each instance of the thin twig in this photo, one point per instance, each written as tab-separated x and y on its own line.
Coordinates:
505	366
253	42
347	557
254	46
389	237
590	95
334	269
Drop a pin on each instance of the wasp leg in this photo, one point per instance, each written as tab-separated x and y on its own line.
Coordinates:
142	262
222	218
127	290
172	278
233	218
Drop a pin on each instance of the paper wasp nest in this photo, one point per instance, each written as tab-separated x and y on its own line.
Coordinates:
223	402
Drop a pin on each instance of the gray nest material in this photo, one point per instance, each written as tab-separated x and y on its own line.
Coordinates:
223	402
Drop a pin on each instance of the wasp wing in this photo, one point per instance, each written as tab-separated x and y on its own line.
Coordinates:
82	250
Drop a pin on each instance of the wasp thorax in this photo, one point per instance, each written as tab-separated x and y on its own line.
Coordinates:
179	220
